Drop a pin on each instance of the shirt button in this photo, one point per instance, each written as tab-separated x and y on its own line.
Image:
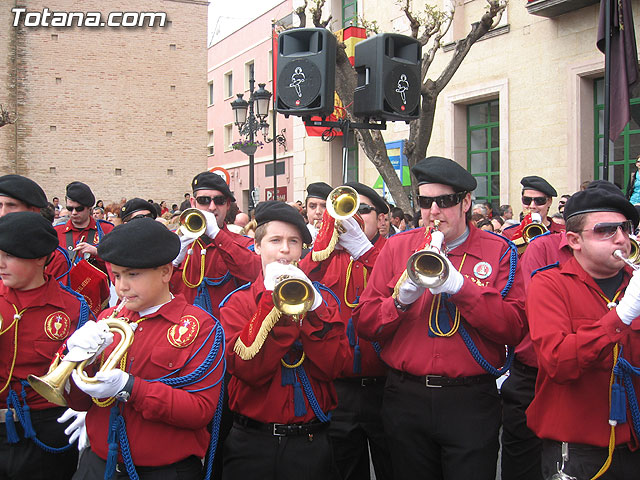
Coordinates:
132	359
618	330
140	328
170	364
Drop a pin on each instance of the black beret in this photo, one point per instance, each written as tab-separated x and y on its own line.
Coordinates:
276	210
599	199
23	189
318	190
81	193
378	202
142	243
533	182
444	171
135	205
612	187
27	235
211	181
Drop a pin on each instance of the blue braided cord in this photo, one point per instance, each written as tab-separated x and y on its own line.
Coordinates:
68	260
203	299
85	311
13	401
546	267
221	379
322	287
242	287
308	391
252	247
377	348
477	356
215	431
513	263
623	370
123	440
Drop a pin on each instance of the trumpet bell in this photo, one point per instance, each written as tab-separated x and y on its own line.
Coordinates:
427	269
293	296
343	202
51	385
192	223
634	253
533	230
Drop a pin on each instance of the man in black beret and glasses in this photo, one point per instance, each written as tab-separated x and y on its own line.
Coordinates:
444	344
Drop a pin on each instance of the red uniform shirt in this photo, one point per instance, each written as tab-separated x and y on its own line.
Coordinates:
88	234
348	285
164	424
542	251
573	332
227	254
491	321
256	389
51	315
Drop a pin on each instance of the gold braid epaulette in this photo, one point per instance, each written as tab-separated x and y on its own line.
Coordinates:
248	352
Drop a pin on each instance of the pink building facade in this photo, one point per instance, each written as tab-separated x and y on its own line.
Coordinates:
231	62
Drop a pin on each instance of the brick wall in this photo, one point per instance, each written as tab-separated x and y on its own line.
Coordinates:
122	109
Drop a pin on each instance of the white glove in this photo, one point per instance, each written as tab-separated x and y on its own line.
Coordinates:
629	306
409	292
313	231
185	245
109	383
276	269
92	337
77	430
353	240
212	224
452	284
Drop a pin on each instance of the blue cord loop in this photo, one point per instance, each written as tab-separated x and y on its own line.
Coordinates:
203	298
116	421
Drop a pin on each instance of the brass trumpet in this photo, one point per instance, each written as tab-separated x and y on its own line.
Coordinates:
293	296
428	267
51	385
535	228
343	202
633	260
193	223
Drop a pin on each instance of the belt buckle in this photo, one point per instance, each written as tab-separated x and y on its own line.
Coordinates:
430	385
364	382
119	468
275	428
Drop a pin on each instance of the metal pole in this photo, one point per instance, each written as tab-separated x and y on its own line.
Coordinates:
607	91
273	112
345	151
251	121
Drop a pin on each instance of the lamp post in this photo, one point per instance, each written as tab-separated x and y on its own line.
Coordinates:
250	118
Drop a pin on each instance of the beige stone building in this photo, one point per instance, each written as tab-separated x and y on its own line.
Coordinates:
122	108
527	100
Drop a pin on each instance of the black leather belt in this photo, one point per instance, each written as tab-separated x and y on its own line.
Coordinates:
523	367
122	468
281	429
364	381
437	381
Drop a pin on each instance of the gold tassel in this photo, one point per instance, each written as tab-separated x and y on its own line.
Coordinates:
247	353
396	289
319	256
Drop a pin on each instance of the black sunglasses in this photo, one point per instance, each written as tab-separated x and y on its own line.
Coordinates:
206	200
442	201
77	209
537	200
607	230
364	209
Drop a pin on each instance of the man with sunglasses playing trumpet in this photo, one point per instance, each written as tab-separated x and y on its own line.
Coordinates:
213	265
537	195
588	323
356	427
444	344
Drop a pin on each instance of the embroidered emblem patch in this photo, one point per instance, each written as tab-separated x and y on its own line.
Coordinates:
57	325
482	270
183	334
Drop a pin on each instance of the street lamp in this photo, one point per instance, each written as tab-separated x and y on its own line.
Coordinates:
250	118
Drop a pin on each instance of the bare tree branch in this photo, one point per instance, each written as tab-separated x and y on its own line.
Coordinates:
301	13
414	24
316	13
5	117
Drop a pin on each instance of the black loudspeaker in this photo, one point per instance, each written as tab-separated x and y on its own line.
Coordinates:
306	72
388	68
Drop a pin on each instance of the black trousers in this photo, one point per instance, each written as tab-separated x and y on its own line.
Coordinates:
256	454
91	467
586	460
441	433
25	460
521	449
356	426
